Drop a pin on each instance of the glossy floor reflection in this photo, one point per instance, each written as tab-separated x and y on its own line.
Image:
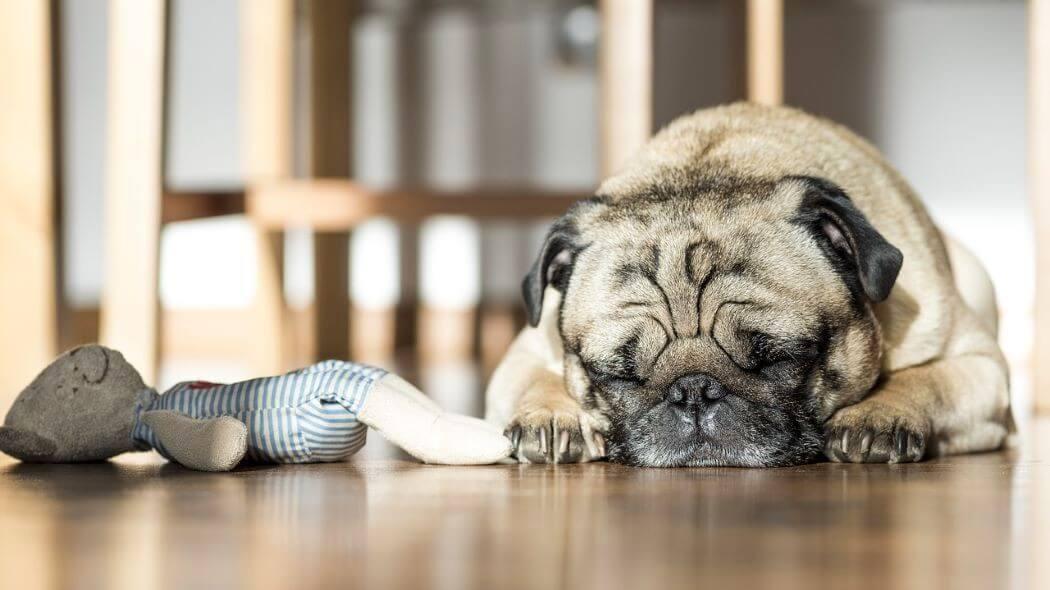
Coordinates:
969	522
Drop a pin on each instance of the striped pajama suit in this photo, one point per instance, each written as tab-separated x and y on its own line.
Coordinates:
301	417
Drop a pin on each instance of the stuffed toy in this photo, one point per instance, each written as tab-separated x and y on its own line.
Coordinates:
90	404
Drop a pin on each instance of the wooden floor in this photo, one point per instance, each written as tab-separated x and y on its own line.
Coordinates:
971	522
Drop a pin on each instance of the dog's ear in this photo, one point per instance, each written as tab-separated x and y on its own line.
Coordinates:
554	264
851	237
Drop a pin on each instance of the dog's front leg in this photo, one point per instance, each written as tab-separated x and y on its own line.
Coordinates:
527	396
954	405
550	426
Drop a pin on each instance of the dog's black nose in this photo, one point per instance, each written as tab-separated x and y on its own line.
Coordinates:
693	391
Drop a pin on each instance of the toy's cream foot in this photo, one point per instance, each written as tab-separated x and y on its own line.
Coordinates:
213	444
416	424
463	440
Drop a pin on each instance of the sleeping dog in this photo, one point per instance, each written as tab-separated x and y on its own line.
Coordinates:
756	287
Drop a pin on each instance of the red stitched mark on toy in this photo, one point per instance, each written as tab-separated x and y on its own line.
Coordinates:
203	385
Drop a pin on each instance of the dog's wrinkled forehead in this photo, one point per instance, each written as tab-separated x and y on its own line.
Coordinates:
734	215
792	242
746	242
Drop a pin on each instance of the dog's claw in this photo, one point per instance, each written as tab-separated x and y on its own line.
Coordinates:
514	434
599	443
916	446
865	444
555	453
900	439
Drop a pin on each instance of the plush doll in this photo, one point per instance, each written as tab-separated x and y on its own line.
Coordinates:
90	404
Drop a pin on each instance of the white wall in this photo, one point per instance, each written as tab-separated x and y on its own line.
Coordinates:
939	87
83	115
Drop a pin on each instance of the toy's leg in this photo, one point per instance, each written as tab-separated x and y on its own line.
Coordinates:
210	444
409	391
411	421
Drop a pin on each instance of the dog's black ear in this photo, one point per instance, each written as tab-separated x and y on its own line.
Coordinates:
554	264
851	236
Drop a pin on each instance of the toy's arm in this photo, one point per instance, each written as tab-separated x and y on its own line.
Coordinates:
415	423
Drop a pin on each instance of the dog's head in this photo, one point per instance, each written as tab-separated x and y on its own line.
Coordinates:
719	324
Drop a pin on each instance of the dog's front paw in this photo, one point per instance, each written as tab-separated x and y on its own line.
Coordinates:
872	432
556	433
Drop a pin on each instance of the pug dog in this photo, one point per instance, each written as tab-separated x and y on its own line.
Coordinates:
756	287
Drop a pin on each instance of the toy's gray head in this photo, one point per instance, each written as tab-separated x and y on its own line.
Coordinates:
81	407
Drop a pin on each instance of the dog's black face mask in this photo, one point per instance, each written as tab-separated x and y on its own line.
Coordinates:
716	336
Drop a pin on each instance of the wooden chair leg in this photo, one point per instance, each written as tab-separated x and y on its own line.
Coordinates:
330	113
29	232
331	295
267	38
407	316
765	51
130	318
271	323
410	148
626	69
1039	167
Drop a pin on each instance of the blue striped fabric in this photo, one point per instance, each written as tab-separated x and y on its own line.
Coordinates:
300	417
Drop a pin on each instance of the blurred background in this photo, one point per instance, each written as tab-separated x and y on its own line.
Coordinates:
178	222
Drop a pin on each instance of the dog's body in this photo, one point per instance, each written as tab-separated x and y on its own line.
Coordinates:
736	296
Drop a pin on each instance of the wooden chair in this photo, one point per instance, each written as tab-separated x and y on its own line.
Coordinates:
326	200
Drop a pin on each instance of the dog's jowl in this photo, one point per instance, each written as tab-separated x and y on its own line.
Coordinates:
757	287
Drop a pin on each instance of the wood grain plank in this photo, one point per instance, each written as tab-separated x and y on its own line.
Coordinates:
975	522
28	194
626	79
130	318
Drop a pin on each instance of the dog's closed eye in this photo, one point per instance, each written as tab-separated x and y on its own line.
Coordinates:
769	352
611	374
